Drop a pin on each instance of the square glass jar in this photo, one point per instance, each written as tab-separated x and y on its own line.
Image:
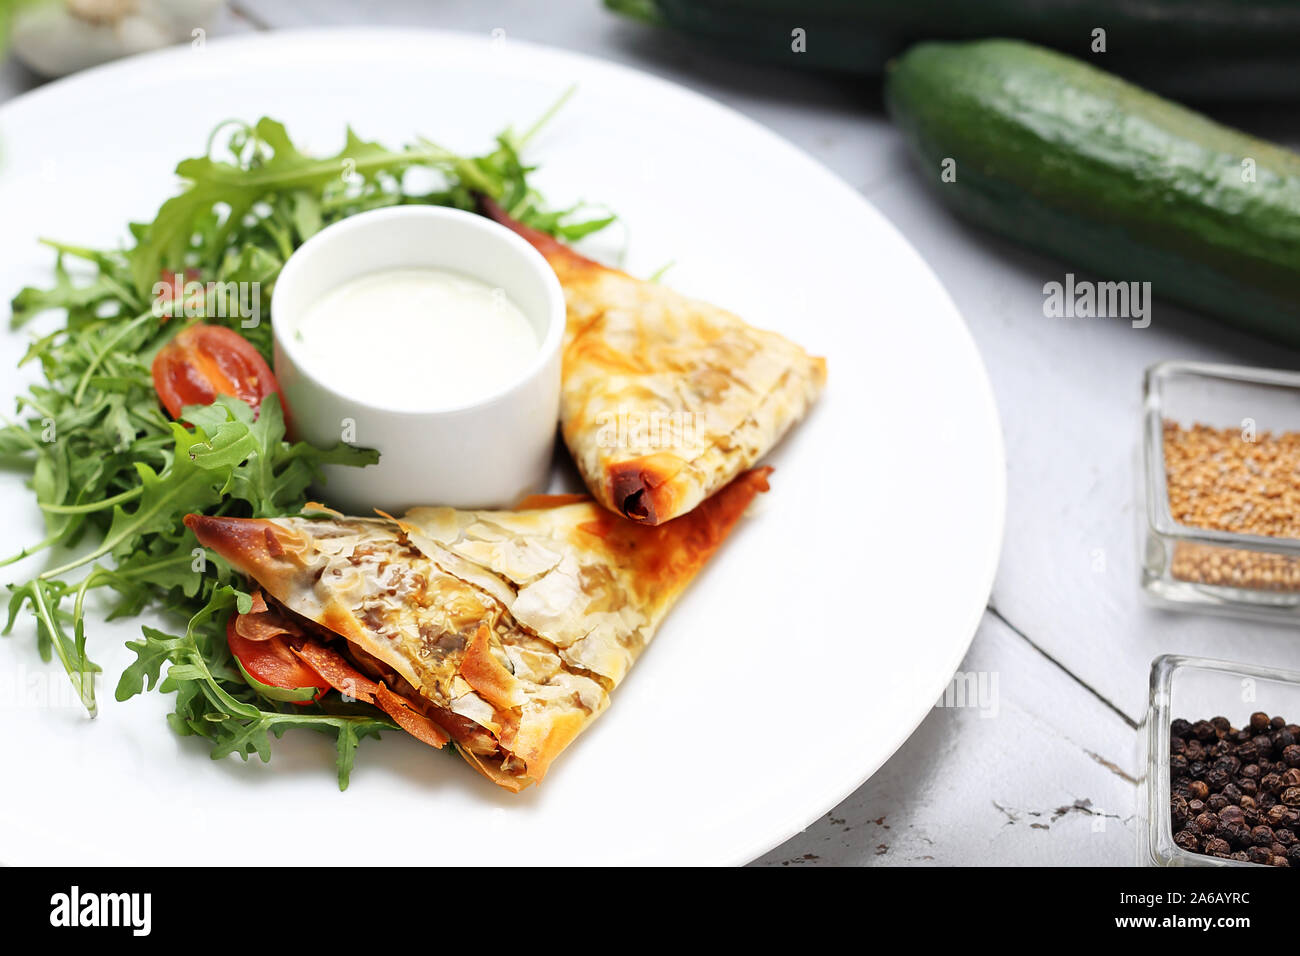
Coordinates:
1197	688
1192	568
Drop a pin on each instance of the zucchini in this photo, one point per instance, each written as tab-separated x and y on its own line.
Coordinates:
1067	159
1199	49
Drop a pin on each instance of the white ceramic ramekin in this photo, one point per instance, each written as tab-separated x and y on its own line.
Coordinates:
485	454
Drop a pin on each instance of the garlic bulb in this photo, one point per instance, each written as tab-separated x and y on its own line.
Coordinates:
55	37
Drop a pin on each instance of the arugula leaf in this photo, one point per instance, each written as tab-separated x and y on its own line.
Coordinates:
274	164
270	196
104	287
199	469
273	475
215	702
45	598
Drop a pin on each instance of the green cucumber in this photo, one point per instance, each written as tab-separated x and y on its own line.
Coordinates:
1202	49
1067	159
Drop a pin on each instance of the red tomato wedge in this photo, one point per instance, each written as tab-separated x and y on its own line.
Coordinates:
205	361
273	662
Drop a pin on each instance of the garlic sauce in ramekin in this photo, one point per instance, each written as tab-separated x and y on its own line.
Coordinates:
433	335
429	337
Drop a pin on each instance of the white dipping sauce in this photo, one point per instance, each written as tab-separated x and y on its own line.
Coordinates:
416	339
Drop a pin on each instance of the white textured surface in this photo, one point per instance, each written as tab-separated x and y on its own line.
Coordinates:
966	788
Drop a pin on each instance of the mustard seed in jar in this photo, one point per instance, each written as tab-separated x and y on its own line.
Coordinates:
1223	480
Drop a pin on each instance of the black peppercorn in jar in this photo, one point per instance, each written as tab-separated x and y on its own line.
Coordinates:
1221	782
1241	804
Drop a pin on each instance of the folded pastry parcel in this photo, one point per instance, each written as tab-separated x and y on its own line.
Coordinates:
665	399
501	631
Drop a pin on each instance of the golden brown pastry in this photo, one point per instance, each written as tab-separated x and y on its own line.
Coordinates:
504	631
665	399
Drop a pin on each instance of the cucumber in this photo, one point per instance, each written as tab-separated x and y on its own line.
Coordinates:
1199	49
1067	159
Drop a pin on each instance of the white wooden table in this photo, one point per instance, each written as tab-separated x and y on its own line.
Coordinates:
1043	772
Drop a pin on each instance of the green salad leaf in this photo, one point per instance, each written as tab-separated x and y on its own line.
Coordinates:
215	700
262	469
114	476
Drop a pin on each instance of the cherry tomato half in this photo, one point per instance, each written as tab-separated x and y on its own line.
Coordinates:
274	663
205	361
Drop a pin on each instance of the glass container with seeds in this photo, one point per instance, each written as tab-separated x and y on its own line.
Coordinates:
1220	530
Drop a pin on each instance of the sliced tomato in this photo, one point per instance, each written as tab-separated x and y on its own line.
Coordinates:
334	667
205	361
273	662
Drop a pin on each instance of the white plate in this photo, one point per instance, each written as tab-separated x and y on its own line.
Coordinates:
801	658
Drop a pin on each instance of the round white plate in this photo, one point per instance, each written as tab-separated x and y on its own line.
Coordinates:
800	659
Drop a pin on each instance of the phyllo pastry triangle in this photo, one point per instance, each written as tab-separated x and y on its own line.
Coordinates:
502	631
664	398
